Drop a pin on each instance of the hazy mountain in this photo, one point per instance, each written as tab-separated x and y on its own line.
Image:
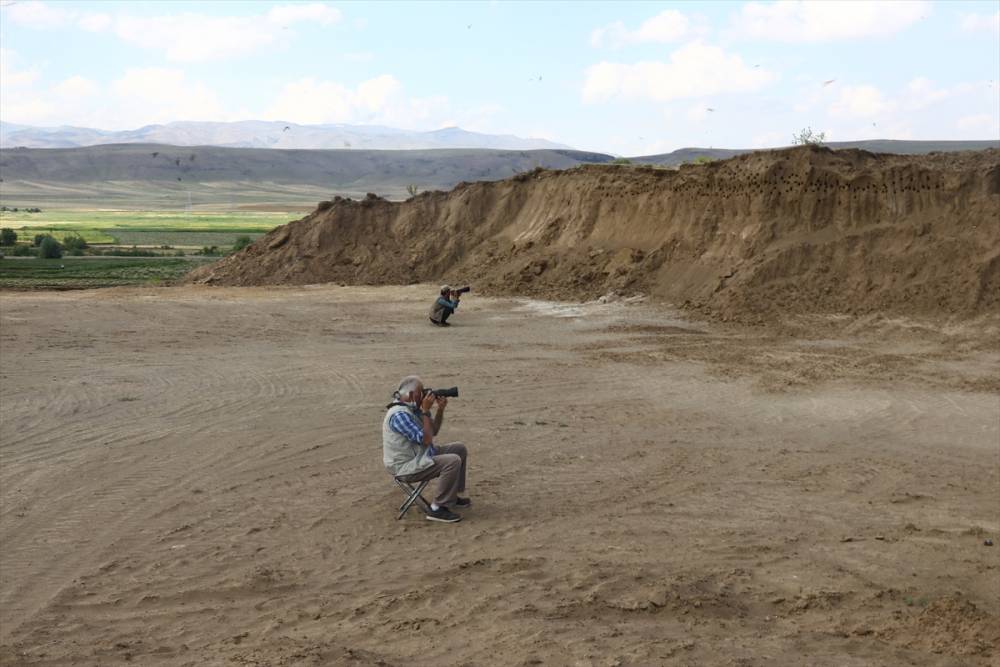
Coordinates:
682	155
156	176
266	134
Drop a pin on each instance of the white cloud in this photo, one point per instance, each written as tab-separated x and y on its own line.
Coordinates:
11	77
985	125
380	100
667	26
861	101
37	15
75	87
95	22
827	20
315	12
160	95
359	56
981	22
921	92
771	139
694	70
698	113
192	37
197	37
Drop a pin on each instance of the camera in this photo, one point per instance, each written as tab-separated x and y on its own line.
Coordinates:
450	392
463	290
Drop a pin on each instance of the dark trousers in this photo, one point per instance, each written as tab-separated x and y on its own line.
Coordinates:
445	314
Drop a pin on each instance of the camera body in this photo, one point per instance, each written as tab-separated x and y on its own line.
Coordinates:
450	392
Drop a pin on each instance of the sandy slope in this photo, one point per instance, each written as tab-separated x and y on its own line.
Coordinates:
192	476
802	230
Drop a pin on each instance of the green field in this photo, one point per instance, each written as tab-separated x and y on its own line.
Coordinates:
87	272
146	228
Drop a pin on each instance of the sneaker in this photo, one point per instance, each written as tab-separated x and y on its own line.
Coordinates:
463	503
444	515
434	322
444	324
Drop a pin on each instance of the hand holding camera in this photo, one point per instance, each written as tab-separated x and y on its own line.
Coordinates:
427	401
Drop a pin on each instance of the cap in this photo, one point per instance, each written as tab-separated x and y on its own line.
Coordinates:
445	288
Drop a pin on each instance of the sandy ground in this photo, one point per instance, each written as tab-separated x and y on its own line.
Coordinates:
192	476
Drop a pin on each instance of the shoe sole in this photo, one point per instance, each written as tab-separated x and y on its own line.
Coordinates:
434	518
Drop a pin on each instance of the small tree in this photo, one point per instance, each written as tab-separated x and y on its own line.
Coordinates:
37	241
412	190
807	137
241	242
49	248
74	242
8	236
621	160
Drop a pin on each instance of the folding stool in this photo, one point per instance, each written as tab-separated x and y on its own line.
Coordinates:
412	495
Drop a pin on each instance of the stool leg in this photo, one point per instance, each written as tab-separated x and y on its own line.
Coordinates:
414	495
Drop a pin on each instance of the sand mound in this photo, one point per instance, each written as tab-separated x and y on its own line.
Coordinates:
798	230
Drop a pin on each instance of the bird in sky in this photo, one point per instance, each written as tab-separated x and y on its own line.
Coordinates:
709	109
828	82
287	128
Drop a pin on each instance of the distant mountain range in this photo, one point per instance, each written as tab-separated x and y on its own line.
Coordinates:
159	175
281	135
266	134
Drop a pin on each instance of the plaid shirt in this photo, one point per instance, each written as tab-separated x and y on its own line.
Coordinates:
406	424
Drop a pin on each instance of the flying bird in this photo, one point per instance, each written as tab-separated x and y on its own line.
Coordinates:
287	128
827	83
709	109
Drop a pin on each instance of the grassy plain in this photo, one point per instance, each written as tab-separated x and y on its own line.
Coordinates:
180	229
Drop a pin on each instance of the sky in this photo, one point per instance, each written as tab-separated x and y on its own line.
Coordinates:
616	77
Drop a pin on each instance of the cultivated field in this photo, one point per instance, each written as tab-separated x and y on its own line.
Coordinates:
180	229
85	272
192	476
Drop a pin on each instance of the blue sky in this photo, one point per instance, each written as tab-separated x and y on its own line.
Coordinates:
627	78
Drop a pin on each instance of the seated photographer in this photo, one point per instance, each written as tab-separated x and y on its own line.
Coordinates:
408	449
444	306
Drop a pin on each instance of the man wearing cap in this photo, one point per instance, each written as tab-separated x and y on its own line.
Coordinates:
444	306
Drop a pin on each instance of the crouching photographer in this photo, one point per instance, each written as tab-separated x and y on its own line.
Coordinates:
409	452
446	304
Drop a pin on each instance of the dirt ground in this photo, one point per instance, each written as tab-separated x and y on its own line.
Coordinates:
192	476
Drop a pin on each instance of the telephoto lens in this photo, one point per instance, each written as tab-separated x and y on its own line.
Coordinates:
450	392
